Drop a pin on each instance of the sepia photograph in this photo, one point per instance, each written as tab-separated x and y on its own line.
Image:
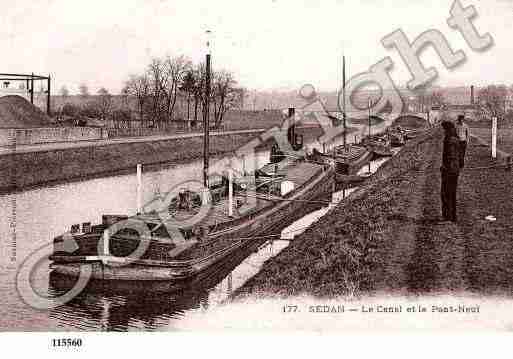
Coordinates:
275	166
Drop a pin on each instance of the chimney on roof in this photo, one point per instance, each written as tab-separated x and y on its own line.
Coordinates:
472	94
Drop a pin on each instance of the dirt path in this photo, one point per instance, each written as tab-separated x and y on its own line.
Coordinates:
488	244
390	239
422	255
475	254
437	263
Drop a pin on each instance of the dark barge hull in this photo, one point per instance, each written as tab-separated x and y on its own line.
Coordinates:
352	167
180	274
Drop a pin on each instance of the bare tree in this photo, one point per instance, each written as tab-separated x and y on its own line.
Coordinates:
224	95
83	90
158	78
167	79
436	98
198	88
104	102
64	91
188	88
177	68
139	87
494	99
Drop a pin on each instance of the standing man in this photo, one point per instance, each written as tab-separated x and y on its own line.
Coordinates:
450	171
463	135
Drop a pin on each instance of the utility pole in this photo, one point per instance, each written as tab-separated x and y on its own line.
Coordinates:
344	95
48	109
370	105
206	124
32	88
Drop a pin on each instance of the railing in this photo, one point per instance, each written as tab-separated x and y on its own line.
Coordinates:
149	131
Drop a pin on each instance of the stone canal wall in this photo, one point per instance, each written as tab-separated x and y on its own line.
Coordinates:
21	171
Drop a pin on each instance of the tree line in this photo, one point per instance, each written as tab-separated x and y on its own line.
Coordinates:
165	80
168	90
495	99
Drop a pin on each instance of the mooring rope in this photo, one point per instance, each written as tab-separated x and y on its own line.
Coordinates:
285	199
272	235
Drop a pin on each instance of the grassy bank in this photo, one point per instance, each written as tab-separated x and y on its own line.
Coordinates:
504	136
360	245
28	170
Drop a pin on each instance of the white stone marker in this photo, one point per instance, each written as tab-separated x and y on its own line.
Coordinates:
494	137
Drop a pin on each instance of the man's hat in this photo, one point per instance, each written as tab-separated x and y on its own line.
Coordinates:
447	125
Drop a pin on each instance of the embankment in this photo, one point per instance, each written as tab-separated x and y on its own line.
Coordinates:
363	244
20	171
17	112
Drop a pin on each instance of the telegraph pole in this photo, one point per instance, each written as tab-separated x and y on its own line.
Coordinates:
344	94
370	105
32	88
48	90
206	124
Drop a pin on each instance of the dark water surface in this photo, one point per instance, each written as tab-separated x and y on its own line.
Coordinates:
30	219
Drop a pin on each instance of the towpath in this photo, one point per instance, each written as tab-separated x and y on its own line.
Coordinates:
392	240
476	253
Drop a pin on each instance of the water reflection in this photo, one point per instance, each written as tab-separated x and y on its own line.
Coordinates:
43	213
122	306
125	306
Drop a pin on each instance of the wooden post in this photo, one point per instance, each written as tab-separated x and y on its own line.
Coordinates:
139	188
106	240
48	109
494	137
230	193
206	122
32	88
370	105
344	97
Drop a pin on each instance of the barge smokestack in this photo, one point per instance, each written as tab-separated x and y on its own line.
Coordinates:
472	94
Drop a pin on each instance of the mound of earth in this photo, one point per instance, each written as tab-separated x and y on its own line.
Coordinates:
410	121
17	112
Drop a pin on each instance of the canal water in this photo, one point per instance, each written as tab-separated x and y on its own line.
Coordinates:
30	219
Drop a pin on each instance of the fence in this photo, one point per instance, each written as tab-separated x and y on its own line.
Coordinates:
149	131
32	136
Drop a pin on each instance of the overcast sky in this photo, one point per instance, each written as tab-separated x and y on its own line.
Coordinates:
278	44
